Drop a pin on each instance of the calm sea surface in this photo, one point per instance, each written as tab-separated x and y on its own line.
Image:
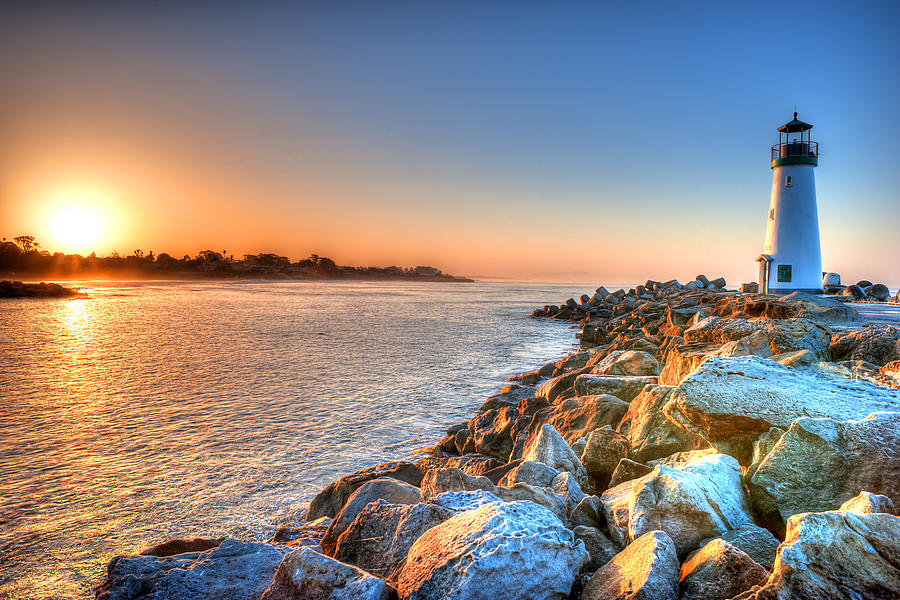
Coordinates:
162	409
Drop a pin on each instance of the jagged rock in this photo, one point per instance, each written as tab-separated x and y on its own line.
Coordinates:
626	362
545	497
624	387
577	417
551	449
383	488
685	358
598	546
835	555
462	501
876	344
530	472
551	389
627	470
510	395
718	571
438	481
309	575
701	499
867	502
589	513
471	464
792	306
382	533
233	570
731	401
646	570
681	316
820	463
566	486
491	432
604	449
758	543
783	335
329	501
495	551
649	433
755	344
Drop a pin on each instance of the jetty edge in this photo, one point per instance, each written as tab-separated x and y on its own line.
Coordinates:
17	289
701	443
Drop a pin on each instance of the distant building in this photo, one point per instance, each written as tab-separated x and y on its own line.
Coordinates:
792	258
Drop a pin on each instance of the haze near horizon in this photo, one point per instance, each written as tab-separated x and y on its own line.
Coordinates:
576	142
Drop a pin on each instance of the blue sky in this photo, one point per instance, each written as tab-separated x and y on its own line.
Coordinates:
561	141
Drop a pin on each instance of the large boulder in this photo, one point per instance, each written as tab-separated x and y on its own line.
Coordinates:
550	448
309	575
542	496
701	499
820	463
598	546
649	433
438	481
234	570
329	501
877	344
575	418
602	453
491	431
379	538
731	401
835	555
758	543
646	570
626	362
624	387
551	389
718	571
383	488
530	472
783	335
685	358
500	550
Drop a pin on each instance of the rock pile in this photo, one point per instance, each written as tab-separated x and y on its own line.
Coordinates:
700	444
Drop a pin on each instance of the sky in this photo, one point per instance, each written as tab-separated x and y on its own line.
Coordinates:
551	141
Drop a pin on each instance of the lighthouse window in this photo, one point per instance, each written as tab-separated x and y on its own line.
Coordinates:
787	181
784	273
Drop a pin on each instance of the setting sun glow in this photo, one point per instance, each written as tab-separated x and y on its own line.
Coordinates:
76	228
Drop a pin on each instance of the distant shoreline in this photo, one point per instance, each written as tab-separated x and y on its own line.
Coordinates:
193	276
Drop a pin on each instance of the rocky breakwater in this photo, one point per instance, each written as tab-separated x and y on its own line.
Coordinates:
701	444
17	289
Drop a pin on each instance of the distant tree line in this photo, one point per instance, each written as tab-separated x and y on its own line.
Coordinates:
23	256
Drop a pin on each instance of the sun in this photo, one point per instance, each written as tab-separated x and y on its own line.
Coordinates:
76	227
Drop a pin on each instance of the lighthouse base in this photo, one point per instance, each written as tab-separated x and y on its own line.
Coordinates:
785	291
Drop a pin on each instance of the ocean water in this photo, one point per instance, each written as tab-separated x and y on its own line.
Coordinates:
156	410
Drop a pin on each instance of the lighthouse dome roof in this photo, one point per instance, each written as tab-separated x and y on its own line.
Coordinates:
795	126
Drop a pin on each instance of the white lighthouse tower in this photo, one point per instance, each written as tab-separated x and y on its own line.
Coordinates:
792	259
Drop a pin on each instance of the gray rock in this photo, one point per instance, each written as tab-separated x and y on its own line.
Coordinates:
646	570
550	448
234	570
438	481
566	486
718	571
383	488
588	513
649	433
758	543
627	363
329	501
462	501
820	463
496	551
604	449
545	497
703	498
624	387
382	533
598	546
854	291
309	575
530	472
627	470
835	555
731	401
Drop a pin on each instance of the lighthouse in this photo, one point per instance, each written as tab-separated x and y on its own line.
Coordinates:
792	259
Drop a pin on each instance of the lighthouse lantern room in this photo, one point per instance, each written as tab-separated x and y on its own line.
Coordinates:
791	259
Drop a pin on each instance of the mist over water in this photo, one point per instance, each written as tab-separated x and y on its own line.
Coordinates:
178	409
